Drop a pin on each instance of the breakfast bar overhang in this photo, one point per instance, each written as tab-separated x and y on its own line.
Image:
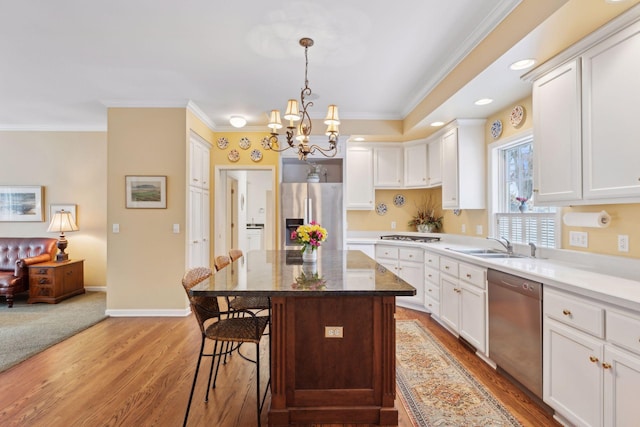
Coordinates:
332	333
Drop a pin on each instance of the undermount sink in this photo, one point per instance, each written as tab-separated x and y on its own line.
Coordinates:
487	253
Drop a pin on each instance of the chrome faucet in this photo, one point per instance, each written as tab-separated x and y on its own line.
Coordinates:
508	246
533	249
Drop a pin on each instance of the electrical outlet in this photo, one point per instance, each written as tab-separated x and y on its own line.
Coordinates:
176	228
116	228
393	225
623	243
479	230
579	239
333	332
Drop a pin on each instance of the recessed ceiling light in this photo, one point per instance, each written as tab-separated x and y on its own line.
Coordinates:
237	121
483	101
522	64
358	138
436	124
614	1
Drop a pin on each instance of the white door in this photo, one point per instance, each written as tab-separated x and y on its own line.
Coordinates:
450	302
473	316
622	388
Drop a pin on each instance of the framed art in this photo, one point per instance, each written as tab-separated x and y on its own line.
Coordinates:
146	192
67	208
21	203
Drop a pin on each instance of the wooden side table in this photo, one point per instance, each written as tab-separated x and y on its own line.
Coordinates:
52	282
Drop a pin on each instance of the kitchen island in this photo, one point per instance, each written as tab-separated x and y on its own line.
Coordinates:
332	333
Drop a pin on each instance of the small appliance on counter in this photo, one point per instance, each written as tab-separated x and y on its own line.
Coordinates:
422	239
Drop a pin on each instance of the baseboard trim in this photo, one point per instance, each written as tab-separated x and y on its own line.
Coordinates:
96	288
148	313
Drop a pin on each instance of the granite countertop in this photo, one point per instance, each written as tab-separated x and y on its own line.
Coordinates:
592	279
282	273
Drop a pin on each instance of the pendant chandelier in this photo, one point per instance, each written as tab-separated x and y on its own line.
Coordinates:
302	131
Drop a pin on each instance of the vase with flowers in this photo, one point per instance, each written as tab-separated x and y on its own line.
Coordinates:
428	218
311	237
523	201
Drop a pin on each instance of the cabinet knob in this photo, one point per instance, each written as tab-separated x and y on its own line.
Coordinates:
195	179
535	190
593	359
566	312
195	241
42	281
606	365
428	275
468	276
410	256
446	267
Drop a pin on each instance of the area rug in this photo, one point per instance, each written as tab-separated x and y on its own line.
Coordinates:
27	329
435	389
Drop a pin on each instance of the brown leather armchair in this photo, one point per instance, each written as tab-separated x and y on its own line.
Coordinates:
16	253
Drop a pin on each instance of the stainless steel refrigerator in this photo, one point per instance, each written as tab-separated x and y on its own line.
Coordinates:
304	202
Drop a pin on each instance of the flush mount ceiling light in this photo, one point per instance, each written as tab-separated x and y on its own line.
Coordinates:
303	129
237	121
483	101
522	64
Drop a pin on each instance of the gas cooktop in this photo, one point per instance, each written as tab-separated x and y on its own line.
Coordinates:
423	239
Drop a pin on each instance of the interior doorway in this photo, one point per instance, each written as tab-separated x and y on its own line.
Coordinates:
244	208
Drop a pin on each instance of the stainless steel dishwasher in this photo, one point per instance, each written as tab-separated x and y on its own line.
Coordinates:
515	328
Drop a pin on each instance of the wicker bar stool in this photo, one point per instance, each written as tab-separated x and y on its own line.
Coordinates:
215	325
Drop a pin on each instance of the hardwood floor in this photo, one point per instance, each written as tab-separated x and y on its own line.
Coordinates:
138	372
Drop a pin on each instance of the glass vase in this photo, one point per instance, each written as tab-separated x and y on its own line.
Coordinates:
309	255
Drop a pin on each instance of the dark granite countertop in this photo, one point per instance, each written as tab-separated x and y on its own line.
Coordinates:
283	274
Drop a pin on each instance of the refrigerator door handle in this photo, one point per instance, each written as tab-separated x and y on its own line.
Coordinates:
309	210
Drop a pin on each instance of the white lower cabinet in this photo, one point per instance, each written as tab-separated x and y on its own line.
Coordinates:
463	301
432	283
408	264
587	378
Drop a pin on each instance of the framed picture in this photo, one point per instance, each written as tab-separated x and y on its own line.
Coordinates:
146	192
67	208
21	203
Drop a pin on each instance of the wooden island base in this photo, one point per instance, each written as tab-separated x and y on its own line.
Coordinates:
318	376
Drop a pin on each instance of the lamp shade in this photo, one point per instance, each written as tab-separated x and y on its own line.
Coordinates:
62	221
274	120
292	112
332	116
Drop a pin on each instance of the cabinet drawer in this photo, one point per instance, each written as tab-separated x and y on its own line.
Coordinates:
449	266
431	260
570	310
474	275
432	291
411	254
431	276
388	252
433	306
623	330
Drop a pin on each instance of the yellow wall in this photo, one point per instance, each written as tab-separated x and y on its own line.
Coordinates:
71	167
146	260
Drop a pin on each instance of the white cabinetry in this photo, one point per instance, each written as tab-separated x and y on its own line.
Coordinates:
463	166
388	166
415	165
254	239
463	301
199	203
434	156
368	248
432	283
408	263
584	103
611	88
590	373
556	126
359	178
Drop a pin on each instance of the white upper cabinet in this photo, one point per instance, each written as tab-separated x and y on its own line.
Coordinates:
388	166
415	164
584	117
610	94
359	178
463	166
434	160
556	129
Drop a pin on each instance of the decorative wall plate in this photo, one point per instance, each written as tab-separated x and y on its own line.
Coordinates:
233	155
398	200
256	155
496	129
517	114
381	209
245	143
265	142
223	142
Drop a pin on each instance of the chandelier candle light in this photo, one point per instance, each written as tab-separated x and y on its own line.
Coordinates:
293	114
311	237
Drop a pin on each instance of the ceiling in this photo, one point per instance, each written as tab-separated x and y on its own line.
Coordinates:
65	62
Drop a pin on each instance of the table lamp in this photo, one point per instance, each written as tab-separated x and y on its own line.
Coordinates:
62	221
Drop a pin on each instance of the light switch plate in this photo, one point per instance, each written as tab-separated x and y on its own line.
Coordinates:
116	228
333	332
176	228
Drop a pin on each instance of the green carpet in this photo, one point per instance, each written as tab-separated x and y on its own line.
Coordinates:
436	389
27	329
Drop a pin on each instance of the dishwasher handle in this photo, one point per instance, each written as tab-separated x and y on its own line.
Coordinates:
514	283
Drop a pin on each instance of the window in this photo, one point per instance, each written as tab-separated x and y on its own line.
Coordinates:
515	215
